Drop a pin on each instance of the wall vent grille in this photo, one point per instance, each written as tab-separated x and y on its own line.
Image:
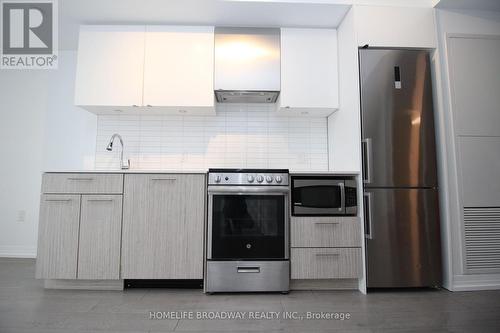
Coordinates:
482	239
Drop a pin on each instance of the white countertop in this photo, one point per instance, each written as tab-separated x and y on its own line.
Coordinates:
293	172
129	171
313	172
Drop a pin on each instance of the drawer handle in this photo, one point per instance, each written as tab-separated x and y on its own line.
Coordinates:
170	179
58	200
327	223
248	269
327	254
82	179
100	200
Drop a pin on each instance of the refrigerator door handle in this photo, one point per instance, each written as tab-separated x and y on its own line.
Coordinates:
368	215
367	160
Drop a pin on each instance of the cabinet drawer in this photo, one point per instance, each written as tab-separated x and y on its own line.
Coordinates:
328	231
325	263
83	183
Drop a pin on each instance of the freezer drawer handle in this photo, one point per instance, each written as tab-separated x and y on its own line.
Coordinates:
248	269
368	215
327	223
367	160
327	254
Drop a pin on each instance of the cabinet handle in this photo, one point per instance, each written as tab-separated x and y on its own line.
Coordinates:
327	223
82	179
58	200
100	200
327	254
171	179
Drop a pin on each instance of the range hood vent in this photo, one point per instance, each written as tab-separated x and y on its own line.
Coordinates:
247	65
236	96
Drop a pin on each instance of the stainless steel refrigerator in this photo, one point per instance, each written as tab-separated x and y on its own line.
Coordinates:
399	169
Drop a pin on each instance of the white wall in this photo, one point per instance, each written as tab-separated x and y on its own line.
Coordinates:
70	136
39	129
344	126
469	23
23	96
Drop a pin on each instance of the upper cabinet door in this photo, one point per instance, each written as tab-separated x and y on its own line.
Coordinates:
110	67
309	77
179	69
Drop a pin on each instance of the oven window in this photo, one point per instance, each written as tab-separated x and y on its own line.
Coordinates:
318	196
248	227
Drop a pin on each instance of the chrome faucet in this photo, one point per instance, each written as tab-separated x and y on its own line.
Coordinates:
123	164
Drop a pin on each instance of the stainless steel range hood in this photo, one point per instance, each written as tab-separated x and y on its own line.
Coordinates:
247	65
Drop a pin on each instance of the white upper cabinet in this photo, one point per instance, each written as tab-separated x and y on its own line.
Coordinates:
146	69
309	77
179	69
110	67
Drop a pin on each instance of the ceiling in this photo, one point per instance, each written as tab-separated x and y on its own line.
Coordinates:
490	5
315	14
255	13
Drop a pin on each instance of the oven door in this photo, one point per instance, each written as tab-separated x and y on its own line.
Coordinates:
318	196
247	223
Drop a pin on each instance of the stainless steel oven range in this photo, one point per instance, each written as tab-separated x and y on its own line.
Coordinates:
247	234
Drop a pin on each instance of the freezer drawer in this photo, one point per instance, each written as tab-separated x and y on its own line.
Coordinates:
403	241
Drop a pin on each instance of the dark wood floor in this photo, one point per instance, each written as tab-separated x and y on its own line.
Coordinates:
26	307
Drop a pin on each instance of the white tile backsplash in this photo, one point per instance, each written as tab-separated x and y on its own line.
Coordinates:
239	136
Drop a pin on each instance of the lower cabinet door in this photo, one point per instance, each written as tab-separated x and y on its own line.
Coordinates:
100	235
325	263
58	237
163	224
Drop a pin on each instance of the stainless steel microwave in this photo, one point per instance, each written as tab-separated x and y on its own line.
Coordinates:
323	196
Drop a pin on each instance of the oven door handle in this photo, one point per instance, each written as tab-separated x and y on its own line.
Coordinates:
248	189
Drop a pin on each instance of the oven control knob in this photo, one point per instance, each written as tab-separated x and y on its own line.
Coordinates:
250	178
279	179
260	179
218	179
269	179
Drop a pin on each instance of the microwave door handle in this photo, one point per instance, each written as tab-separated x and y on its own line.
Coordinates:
342	197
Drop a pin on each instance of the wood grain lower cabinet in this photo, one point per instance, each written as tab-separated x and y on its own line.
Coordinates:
100	237
163	225
325	263
58	237
325	231
325	248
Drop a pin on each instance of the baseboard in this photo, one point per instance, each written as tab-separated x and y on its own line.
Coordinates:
84	284
476	282
324	284
17	252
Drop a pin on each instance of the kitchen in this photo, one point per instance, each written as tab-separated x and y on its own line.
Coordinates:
162	154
